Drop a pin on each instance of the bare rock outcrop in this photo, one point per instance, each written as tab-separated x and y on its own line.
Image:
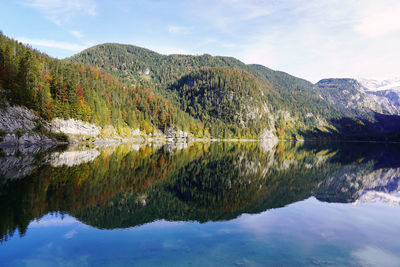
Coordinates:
20	126
171	133
74	127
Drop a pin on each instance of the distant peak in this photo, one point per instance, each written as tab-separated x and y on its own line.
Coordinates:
380	85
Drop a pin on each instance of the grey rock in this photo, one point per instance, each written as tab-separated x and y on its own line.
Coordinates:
171	133
74	127
72	158
19	125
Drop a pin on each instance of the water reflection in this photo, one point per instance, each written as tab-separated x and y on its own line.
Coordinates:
127	185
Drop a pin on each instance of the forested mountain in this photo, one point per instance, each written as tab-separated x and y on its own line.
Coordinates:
59	88
281	103
141	66
277	102
130	87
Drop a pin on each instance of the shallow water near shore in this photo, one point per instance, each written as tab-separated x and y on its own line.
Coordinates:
200	204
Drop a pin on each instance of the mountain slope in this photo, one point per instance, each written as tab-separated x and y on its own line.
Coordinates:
293	105
141	66
133	88
386	93
59	88
346	95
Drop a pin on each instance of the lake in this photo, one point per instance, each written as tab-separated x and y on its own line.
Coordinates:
201	204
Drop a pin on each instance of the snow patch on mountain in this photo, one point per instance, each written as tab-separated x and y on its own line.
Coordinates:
386	93
372	85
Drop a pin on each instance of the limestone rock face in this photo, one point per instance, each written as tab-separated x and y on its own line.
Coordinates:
20	125
136	132
74	127
13	118
176	134
269	134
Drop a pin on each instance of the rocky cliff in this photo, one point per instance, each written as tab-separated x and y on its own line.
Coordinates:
19	125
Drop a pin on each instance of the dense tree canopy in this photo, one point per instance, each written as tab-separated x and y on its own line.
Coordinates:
59	88
131	87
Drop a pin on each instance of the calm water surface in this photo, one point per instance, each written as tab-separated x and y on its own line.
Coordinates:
221	204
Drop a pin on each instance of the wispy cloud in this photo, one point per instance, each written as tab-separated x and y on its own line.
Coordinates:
378	19
53	44
250	9
226	14
70	234
61	11
178	30
373	256
311	39
77	34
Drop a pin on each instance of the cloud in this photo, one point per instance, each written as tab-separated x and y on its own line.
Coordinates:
70	234
53	44
379	19
314	39
178	30
61	11
77	34
373	256
251	9
259	52
226	15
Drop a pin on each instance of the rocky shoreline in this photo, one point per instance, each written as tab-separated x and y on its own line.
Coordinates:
20	126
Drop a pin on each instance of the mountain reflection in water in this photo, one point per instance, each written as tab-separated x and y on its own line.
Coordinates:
128	185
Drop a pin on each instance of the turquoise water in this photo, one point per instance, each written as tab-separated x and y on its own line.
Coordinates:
203	205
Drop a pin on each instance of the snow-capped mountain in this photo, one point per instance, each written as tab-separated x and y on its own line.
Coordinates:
353	97
385	92
376	85
374	196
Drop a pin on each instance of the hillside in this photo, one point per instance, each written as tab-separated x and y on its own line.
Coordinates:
291	106
128	90
58	88
287	106
350	98
137	65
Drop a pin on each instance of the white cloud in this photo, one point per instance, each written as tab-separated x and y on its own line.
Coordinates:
77	34
61	11
70	234
373	256
379	19
251	9
178	30
316	39
53	44
259	52
226	15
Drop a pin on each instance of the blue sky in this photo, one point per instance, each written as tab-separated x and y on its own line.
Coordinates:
312	39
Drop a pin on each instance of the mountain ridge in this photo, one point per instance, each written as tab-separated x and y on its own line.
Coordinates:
135	89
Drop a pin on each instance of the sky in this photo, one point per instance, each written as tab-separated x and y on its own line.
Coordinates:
311	39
